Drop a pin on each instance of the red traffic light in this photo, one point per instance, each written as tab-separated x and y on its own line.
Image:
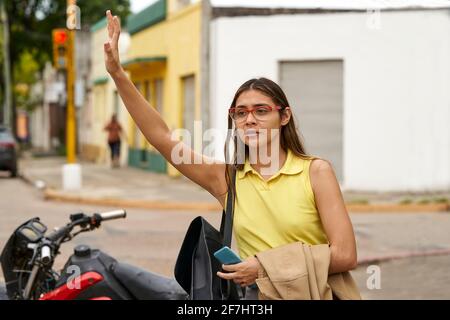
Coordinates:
61	48
60	36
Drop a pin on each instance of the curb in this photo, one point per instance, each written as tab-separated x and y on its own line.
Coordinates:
403	255
386	208
55	195
25	179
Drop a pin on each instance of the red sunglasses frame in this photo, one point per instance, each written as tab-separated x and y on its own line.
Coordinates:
251	109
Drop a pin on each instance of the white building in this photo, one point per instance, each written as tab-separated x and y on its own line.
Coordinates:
369	81
48	120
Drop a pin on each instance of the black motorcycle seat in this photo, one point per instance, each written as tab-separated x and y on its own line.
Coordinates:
145	285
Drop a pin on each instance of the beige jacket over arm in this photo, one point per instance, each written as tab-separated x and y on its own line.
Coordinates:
299	271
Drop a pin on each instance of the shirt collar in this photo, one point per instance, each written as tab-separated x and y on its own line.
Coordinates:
293	165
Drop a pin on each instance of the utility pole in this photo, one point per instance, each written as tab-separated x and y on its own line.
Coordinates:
6	66
71	119
71	171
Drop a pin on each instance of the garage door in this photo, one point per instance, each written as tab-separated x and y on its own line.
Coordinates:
315	92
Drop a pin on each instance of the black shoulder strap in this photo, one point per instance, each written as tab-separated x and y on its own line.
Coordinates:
226	230
226	225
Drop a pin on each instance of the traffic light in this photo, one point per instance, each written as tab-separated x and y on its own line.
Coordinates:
61	48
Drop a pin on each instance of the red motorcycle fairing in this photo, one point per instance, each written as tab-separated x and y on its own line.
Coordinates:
85	281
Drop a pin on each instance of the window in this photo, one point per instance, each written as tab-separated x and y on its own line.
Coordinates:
138	136
148	91
159	91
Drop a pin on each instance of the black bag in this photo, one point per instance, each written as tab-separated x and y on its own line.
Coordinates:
196	267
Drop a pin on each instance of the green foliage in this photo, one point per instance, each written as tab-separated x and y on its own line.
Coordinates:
25	74
359	201
32	22
61	150
1	44
424	201
93	11
25	70
406	201
441	200
30	25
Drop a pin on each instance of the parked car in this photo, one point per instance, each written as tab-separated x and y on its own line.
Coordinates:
8	151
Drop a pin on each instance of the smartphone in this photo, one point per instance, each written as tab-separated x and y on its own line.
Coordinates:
227	256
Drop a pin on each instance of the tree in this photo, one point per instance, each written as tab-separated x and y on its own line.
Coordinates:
31	23
34	20
25	72
93	11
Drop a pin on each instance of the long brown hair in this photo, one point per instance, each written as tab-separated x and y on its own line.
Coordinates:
290	138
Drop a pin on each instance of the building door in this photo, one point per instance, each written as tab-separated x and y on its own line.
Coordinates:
315	92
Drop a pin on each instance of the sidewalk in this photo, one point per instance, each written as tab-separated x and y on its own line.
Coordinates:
125	186
136	188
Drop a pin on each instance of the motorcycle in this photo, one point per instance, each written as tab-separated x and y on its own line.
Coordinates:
89	274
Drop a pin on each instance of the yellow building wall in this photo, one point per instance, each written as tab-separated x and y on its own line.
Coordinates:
178	39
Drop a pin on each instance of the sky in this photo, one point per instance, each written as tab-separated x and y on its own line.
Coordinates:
138	5
343	4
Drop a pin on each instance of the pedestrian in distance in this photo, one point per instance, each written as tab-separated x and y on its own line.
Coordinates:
114	130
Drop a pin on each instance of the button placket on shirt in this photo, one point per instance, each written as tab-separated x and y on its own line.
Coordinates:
265	185
261	184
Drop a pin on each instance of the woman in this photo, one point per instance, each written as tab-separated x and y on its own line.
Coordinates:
298	200
114	130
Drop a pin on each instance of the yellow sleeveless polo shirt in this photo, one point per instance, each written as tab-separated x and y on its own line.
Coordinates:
278	211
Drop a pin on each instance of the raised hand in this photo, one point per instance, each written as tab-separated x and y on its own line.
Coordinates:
111	47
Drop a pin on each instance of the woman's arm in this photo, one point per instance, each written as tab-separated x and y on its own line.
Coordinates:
208	175
334	216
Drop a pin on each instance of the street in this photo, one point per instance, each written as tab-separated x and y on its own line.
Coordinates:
151	239
420	278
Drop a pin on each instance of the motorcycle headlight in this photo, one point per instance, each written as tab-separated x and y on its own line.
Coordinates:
39	227
29	234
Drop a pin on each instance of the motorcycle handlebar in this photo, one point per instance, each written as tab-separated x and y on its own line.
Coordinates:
105	216
58	233
111	215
